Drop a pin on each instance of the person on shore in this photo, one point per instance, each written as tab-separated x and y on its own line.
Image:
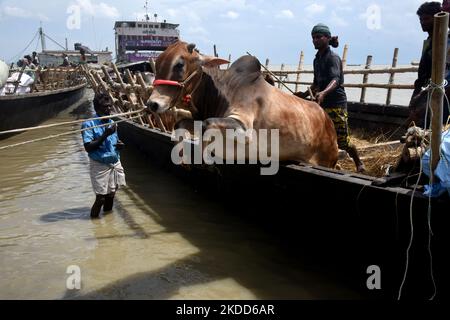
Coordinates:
419	98
66	62
103	145
328	88
83	59
35	58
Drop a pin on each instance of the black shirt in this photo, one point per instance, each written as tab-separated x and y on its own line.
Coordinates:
424	72
328	67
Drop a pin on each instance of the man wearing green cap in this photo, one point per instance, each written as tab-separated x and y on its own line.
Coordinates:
328	88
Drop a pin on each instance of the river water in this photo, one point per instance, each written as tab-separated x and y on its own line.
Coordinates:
163	240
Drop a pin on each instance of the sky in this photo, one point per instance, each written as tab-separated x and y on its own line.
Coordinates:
278	30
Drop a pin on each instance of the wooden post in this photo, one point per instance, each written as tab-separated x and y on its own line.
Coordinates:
145	95
36	79
281	71
299	69
16	85
365	79
215	52
437	77
229	59
44	79
50	78
124	87
267	63
391	78
344	57
152	65
141	102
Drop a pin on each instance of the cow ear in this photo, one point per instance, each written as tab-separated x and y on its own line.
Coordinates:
211	62
191	47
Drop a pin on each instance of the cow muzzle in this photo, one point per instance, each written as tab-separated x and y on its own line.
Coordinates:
153	106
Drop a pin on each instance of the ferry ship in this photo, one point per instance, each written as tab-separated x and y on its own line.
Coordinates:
142	40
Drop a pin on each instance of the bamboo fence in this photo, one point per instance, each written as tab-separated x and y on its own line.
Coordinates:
285	76
48	79
129	92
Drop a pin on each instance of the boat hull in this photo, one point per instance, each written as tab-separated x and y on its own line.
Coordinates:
31	109
357	220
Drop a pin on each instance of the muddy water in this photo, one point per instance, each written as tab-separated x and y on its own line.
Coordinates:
162	241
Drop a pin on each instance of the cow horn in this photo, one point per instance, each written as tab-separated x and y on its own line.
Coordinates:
191	47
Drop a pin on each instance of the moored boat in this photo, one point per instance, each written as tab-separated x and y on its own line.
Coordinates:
52	91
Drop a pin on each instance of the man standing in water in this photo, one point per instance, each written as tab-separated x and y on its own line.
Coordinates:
328	88
103	145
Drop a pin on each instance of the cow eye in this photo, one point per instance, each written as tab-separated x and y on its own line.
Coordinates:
179	66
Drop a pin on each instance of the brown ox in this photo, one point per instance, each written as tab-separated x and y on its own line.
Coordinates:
240	98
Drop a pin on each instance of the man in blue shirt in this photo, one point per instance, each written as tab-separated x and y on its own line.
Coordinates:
103	145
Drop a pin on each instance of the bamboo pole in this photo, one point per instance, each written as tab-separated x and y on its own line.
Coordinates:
36	79
440	34
344	57
365	79
145	95
138	96
391	77
281	70
359	85
360	71
153	65
44	79
146	90
130	98
16	85
299	69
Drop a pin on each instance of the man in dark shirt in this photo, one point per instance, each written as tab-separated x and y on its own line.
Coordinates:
328	88
418	103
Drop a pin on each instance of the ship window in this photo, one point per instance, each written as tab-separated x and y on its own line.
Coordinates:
156	26
139	25
145	26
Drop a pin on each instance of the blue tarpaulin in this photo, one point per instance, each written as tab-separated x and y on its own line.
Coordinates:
442	172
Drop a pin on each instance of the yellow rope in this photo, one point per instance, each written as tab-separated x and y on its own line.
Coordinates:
69	122
63	134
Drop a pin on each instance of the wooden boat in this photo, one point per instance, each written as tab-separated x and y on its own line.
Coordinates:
368	218
56	90
352	220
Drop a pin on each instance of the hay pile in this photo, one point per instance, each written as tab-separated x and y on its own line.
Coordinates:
376	159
